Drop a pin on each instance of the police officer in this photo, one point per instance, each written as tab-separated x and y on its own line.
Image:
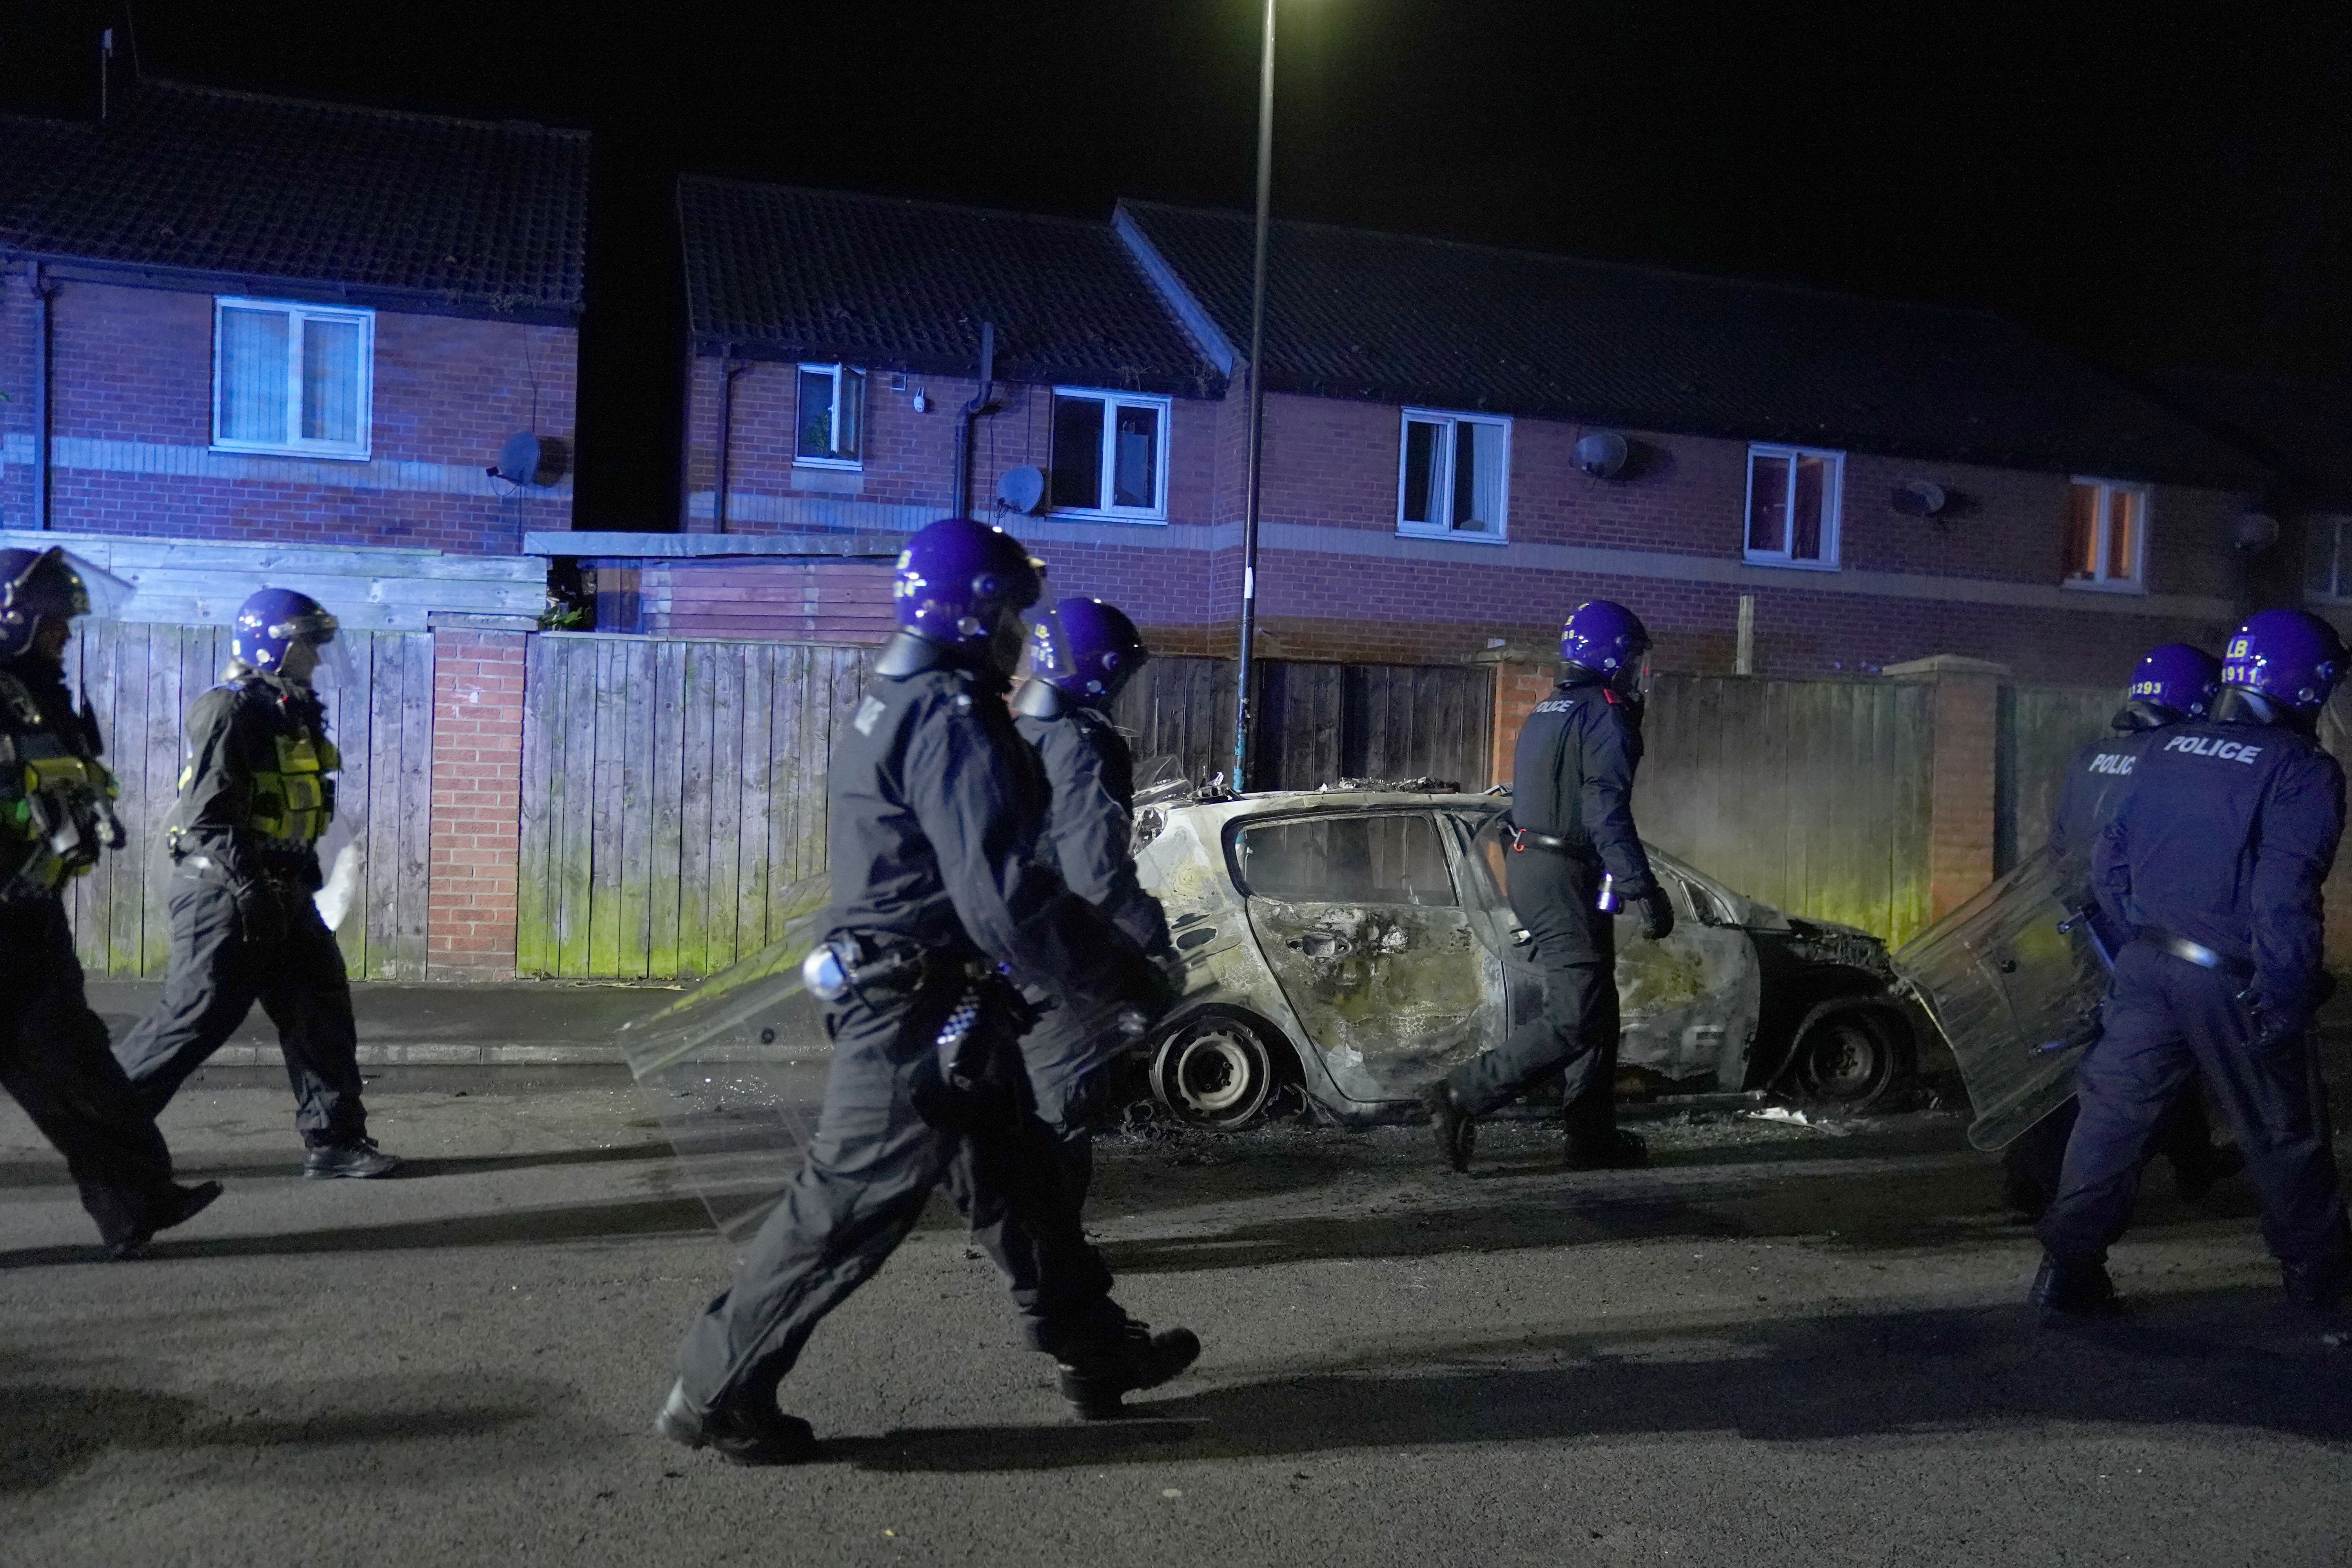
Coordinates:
2219	839
1082	656
1572	807
935	808
2172	683
255	797
55	814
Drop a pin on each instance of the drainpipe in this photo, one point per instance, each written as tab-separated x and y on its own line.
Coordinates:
972	412
43	290
728	372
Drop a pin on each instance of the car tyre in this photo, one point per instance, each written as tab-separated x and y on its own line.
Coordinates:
1851	1052
1216	1071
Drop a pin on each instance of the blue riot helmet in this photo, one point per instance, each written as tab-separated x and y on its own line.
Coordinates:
2177	681
962	586
50	584
1608	640
272	620
2289	658
1087	649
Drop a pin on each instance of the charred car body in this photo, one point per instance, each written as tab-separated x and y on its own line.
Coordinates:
1356	945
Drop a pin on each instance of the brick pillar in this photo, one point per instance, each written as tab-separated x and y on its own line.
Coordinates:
1964	778
1524	674
477	804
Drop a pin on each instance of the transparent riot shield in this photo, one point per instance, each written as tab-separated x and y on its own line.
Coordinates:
2010	978
735	1070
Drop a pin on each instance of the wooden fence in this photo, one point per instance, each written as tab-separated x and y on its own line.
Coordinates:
671	790
1317	722
142	677
2042	728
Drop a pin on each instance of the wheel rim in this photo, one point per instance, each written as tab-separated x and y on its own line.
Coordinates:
1221	1077
1846	1058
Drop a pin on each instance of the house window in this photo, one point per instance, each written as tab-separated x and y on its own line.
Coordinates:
2106	534
1454	475
831	415
1792	506
1110	454
292	378
2331	560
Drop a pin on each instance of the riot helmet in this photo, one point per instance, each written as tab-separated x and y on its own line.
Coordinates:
963	585
272	622
2282	659
1608	641
50	584
2174	682
1087	650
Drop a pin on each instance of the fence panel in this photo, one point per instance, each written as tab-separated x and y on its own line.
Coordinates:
672	791
1809	794
142	677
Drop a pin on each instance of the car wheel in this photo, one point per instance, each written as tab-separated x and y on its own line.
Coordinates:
1215	1071
1849	1052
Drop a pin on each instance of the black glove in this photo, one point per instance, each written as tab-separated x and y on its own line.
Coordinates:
1657	914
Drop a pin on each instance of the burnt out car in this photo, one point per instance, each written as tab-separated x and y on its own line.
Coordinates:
1353	945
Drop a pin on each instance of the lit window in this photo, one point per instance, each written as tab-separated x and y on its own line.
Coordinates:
832	410
2106	534
1110	454
1792	506
2331	559
1454	475
292	378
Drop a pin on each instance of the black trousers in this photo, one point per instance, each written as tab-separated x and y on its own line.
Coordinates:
870	1169
53	1063
1575	946
2168	1019
217	974
1071	1080
2032	1163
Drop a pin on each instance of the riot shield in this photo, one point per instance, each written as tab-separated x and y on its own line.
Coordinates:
2010	978
735	1070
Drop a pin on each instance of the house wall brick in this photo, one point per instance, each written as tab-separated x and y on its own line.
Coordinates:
477	724
135	365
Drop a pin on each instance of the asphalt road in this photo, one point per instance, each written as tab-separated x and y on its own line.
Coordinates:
1775	1346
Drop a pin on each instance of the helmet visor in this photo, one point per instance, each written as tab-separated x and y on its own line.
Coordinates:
1049	645
104	596
319	631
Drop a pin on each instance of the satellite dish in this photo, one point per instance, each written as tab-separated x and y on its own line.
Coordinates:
528	459
1023	489
2254	531
1919	497
1602	454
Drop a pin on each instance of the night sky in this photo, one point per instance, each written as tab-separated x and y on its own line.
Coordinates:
2166	190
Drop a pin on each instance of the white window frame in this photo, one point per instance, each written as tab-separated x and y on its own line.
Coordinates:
294	445
2103	583
2335	529
832	368
1106	460
1441	483
1832	509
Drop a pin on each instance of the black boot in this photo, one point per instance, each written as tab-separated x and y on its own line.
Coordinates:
1457	1128
174	1204
1095	1375
2072	1294
1614	1150
778	1439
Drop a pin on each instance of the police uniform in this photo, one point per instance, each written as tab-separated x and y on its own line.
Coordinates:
935	805
53	1051
254	800
2031	1163
1089	825
2214	856
1572	802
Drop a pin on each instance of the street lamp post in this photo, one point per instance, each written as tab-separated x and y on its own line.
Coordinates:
1256	399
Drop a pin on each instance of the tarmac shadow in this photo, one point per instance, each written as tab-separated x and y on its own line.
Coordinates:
1981	1375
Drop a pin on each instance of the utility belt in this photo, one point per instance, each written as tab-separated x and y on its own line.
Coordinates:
1525	838
2196	952
974	1073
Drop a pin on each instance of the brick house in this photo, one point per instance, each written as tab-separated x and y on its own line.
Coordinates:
1858	483
257	319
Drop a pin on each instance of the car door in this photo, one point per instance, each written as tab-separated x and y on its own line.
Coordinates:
1358	918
